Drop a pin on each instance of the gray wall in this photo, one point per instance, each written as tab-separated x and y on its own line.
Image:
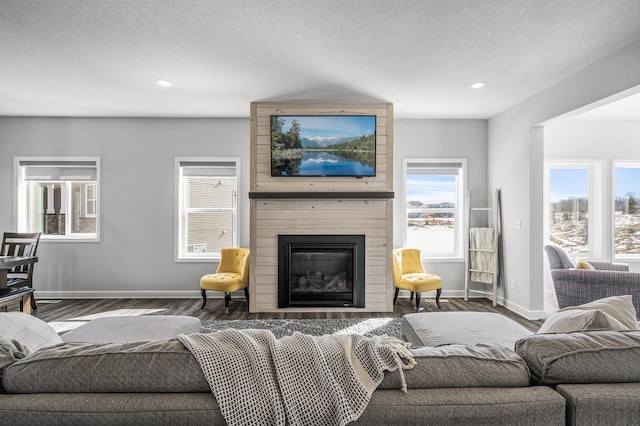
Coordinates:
441	139
135	257
592	140
516	156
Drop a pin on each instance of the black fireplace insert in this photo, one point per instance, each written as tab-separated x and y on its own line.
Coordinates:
321	271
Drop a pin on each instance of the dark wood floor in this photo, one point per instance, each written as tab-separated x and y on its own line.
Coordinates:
70	309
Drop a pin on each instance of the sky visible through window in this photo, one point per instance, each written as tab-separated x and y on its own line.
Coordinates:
431	189
627	181
567	183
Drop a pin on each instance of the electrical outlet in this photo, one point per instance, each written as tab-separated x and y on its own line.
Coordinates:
513	284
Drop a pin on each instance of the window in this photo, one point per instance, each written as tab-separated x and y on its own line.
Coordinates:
207	207
574	208
53	197
434	206
569	208
90	200
626	220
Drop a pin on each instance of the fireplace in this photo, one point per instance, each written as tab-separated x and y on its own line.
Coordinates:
321	270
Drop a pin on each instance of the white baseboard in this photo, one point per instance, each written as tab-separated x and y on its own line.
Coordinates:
523	312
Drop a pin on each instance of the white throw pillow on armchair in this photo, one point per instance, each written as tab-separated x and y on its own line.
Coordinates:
30	332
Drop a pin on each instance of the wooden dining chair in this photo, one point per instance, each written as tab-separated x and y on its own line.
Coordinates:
20	244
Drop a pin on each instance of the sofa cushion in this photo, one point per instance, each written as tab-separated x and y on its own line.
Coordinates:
156	366
524	406
461	328
459	366
582	357
109	409
133	329
619	314
29	332
602	404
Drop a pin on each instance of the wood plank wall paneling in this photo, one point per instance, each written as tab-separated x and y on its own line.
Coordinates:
370	217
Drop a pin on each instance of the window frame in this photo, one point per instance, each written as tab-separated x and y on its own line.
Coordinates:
90	201
179	231
612	229
460	211
21	220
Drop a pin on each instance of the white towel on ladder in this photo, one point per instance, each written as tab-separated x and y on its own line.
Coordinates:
482	254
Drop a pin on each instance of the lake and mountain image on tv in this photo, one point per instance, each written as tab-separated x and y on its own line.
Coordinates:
339	145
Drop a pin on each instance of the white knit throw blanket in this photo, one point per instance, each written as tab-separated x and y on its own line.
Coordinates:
295	380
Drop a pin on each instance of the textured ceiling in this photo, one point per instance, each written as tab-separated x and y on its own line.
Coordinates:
100	58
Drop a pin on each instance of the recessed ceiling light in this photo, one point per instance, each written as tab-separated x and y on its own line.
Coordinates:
164	83
478	85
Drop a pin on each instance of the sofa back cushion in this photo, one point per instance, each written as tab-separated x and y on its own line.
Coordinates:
156	366
167	366
582	357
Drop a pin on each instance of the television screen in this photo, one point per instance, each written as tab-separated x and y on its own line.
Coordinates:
323	145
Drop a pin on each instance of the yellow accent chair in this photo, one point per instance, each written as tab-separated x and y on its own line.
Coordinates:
409	274
232	274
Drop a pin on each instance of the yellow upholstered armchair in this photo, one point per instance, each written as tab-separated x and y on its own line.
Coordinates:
232	274
409	274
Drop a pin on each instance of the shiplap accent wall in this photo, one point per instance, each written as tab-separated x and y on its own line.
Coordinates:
372	217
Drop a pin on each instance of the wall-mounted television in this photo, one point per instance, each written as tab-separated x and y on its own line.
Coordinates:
323	145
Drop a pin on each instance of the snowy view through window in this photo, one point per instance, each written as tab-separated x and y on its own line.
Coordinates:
627	210
431	213
569	209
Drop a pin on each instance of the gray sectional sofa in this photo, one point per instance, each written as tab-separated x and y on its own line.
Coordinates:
579	378
160	382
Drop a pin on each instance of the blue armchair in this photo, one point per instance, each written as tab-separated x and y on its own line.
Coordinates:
577	286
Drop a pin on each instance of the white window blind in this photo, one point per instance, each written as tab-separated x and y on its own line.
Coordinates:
207	207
